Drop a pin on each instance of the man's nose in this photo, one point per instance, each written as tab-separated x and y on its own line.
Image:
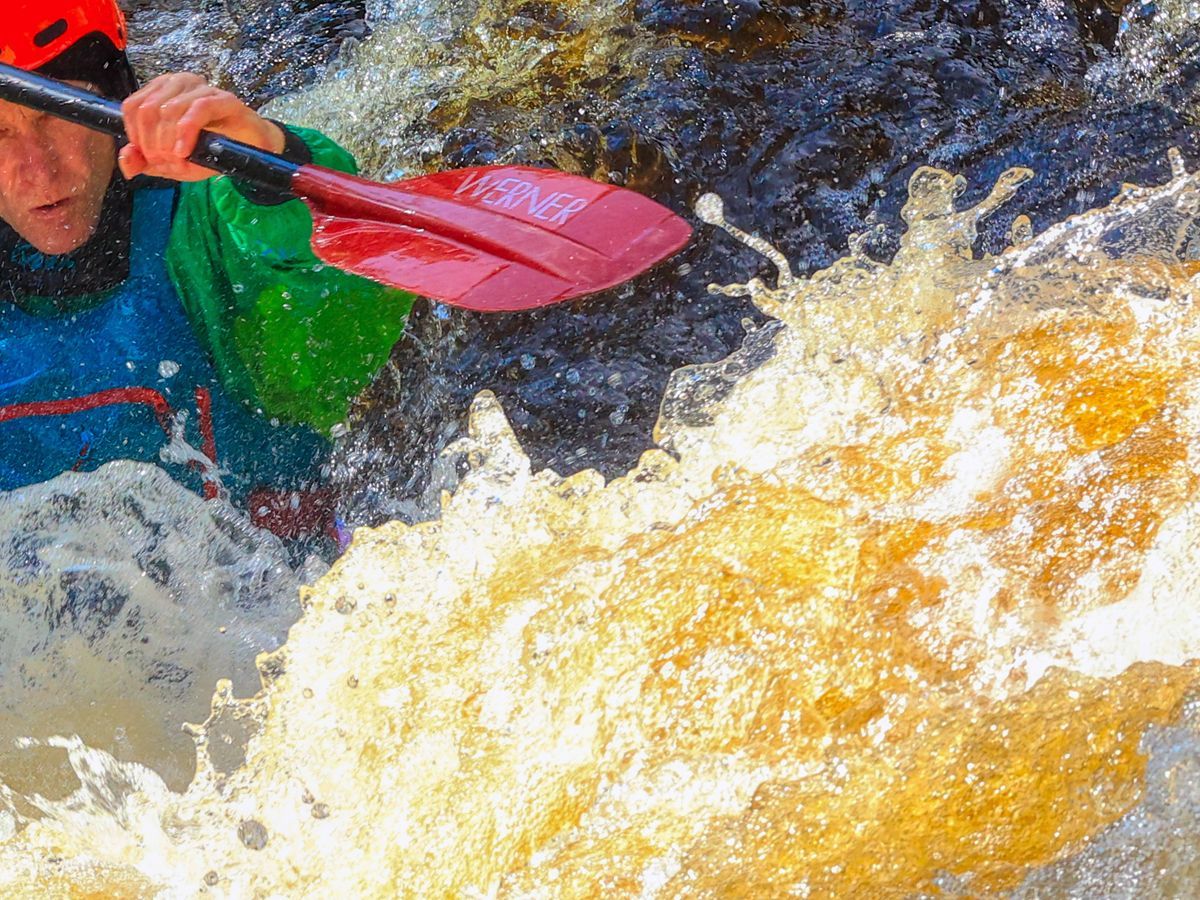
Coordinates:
39	164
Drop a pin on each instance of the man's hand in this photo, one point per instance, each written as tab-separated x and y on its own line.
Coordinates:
164	119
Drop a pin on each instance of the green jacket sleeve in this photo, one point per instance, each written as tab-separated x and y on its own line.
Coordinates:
291	337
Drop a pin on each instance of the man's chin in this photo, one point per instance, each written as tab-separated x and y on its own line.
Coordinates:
58	242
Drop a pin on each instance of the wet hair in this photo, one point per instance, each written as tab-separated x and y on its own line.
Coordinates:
94	58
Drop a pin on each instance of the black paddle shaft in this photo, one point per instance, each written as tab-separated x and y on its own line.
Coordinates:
101	114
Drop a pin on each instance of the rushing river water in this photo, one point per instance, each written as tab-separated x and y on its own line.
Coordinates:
901	604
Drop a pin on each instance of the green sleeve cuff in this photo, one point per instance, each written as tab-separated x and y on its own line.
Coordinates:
294	151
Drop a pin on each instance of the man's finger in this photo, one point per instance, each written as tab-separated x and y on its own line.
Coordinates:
202	112
143	112
131	161
170	112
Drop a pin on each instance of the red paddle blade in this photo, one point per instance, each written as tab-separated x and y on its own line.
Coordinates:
491	238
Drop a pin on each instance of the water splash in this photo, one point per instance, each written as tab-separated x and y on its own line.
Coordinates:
484	65
125	597
180	451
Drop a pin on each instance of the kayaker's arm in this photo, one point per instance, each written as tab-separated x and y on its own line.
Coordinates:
291	336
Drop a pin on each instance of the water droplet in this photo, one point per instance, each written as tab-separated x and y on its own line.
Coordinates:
1178	166
252	833
710	208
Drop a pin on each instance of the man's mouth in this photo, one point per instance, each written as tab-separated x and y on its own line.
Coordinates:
48	208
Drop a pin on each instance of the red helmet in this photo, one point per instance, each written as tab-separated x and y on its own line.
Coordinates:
38	31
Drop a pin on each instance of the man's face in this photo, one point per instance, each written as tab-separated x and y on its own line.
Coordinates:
53	177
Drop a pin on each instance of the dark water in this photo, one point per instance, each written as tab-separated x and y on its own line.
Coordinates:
258	48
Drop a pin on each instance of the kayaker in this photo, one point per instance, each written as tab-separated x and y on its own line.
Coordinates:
126	298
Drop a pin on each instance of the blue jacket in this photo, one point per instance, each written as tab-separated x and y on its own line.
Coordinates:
137	336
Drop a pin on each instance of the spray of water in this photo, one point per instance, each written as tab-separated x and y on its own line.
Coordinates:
123	598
